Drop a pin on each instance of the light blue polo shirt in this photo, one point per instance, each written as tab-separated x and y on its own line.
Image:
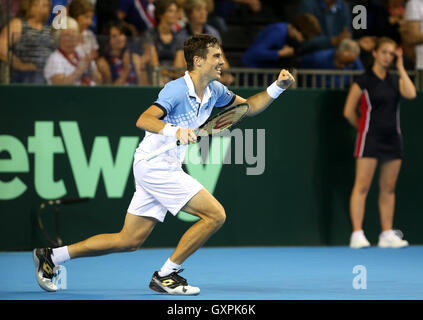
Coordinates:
182	107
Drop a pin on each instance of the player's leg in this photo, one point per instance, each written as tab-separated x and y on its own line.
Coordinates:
135	231
175	190
212	216
389	171
365	169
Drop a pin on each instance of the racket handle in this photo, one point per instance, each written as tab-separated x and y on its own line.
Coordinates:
161	150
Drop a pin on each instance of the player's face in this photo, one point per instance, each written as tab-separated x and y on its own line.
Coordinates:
384	55
213	63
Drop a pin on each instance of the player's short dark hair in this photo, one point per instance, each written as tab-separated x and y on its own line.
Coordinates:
198	45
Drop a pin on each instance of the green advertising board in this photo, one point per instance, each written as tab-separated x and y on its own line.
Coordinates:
283	176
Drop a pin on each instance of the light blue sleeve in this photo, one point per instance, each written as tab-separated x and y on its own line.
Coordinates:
167	98
224	96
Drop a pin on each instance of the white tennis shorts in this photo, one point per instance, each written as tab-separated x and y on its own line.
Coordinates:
160	189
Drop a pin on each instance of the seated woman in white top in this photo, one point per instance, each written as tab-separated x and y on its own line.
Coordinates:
68	65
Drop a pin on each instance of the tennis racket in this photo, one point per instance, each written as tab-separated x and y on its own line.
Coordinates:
222	121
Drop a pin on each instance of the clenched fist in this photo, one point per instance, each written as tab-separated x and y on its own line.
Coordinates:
285	79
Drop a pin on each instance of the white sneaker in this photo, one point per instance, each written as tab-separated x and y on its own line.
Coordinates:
392	239
358	240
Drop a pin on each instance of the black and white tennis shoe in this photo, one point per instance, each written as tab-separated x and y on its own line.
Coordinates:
172	284
45	269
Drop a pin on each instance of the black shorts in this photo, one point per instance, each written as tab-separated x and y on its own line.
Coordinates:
383	146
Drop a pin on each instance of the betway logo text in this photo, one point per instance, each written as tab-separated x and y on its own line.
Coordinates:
86	171
115	169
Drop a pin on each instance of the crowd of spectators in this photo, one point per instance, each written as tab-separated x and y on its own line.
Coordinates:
119	42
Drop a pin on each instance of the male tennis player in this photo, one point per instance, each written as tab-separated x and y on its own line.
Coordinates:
161	184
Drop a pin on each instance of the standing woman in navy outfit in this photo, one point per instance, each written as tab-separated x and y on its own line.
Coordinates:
379	139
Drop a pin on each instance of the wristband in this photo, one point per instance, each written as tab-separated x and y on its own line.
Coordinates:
170	130
274	90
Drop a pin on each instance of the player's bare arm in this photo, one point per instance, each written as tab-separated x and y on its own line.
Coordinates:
150	121
262	100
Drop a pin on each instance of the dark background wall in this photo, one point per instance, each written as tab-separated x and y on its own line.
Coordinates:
300	199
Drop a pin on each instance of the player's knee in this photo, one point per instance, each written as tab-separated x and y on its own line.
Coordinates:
219	217
133	245
129	243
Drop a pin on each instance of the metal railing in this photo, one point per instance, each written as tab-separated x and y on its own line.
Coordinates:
305	78
261	78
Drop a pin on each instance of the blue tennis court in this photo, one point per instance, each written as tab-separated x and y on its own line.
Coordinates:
241	273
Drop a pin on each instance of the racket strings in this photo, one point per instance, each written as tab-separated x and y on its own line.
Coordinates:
223	120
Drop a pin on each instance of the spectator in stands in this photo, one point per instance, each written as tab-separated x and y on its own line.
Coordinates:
345	57
67	65
196	12
182	19
279	41
334	17
383	18
138	14
213	19
162	38
412	32
82	11
31	42
117	65
396	10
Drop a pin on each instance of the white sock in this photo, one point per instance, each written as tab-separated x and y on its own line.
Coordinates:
358	233
60	255
386	233
168	268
